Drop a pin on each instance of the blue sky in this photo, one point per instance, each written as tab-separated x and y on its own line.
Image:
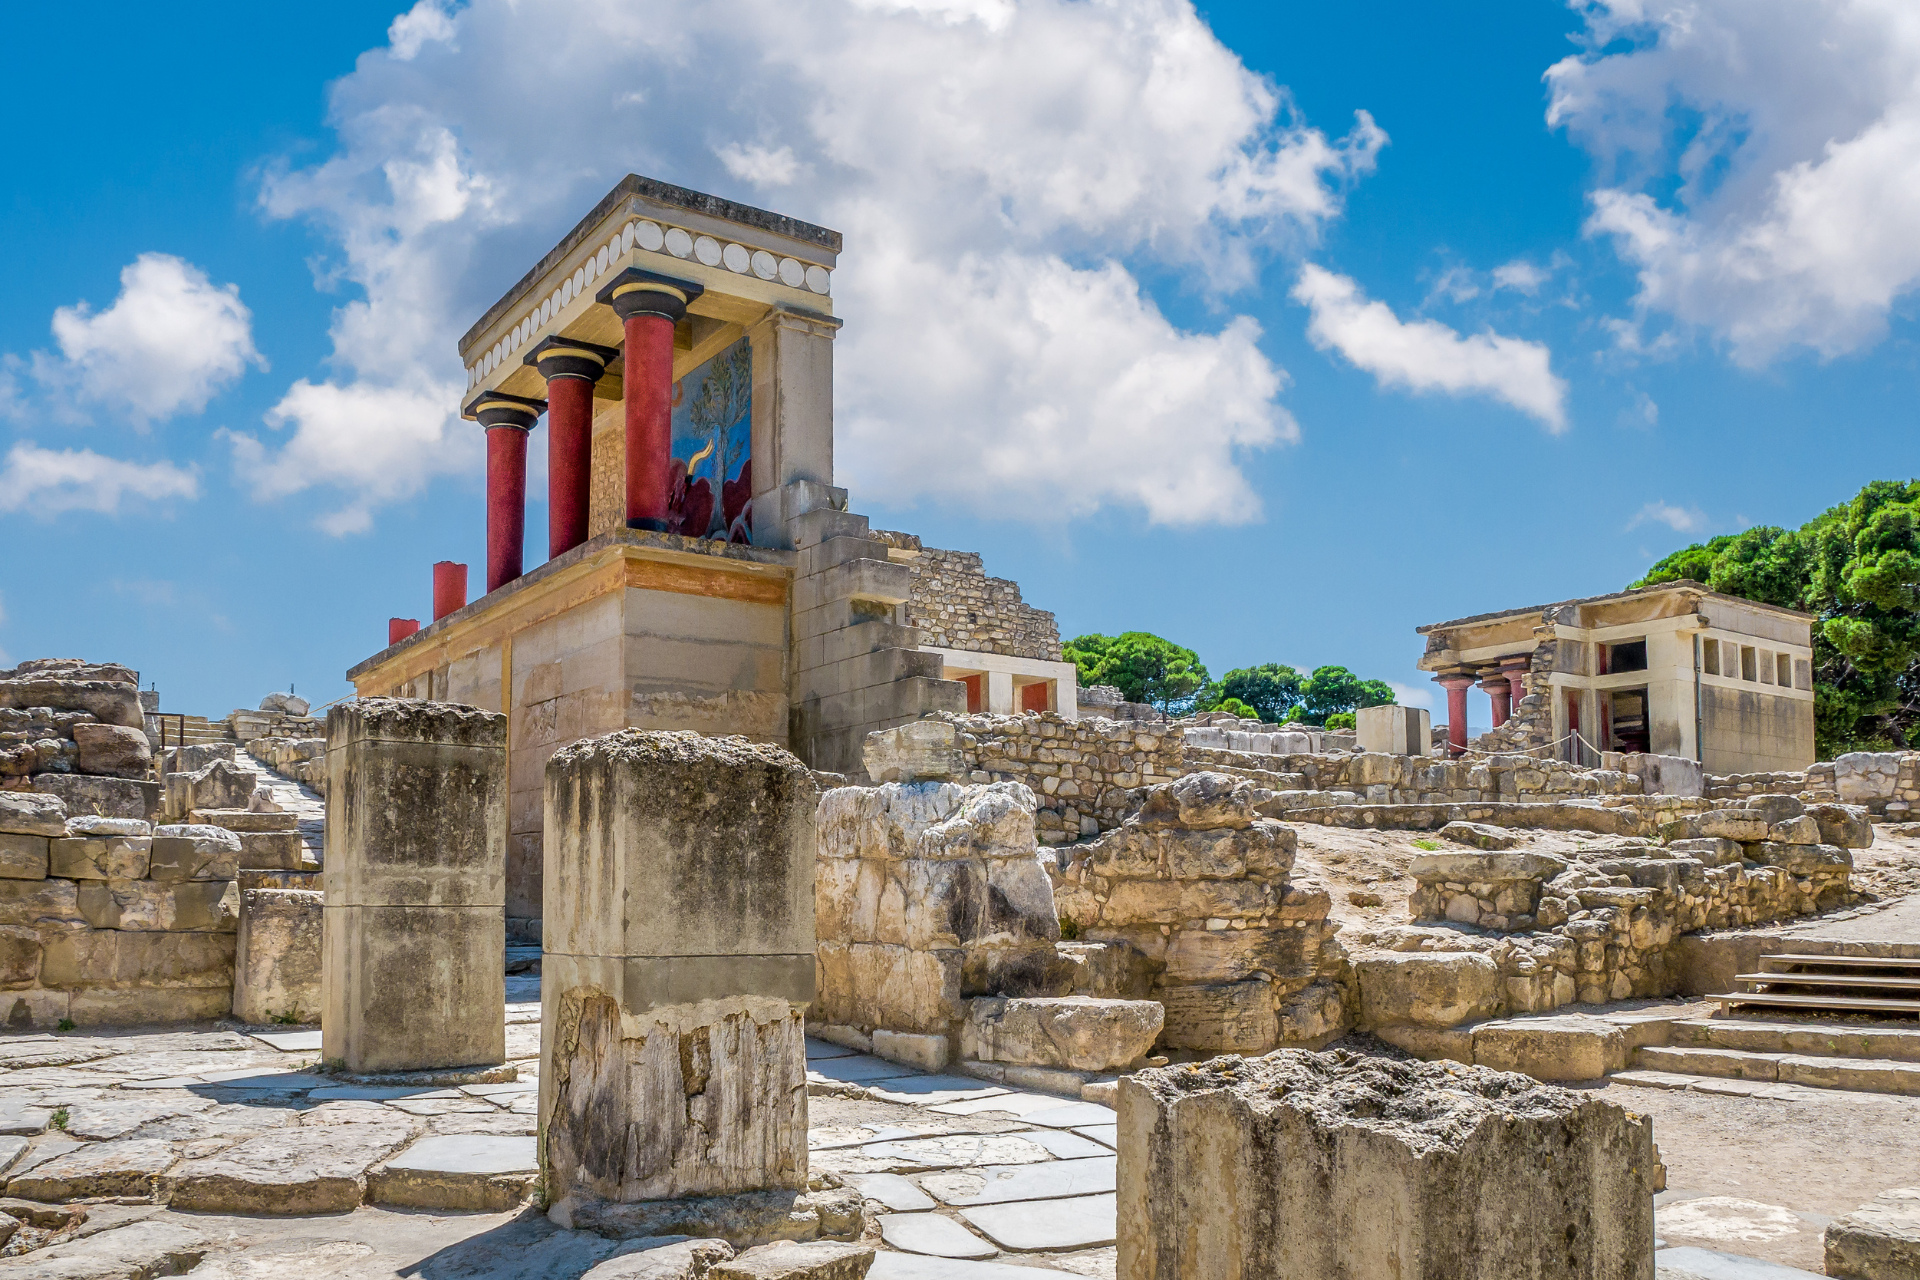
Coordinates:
1461	357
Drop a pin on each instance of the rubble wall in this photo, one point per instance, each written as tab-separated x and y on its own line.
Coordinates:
1886	783
957	606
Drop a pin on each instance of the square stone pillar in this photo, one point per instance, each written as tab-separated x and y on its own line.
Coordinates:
1345	1167
414	946
678	935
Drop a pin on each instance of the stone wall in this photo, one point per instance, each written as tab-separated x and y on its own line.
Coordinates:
77	730
1886	783
112	921
1080	771
1199	886
957	606
302	759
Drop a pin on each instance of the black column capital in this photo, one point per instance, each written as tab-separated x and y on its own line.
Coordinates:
647	293
498	409
558	357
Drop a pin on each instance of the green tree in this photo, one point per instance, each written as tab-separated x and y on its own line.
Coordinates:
1272	689
1143	666
1856	568
1331	690
1233	707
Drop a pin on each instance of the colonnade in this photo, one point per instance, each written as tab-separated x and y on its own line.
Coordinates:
1503	680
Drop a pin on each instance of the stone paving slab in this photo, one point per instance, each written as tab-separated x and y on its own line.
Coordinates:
1709	1264
912	1266
855	1069
315	1169
1073	1115
124	1168
1107	1135
474	1172
290	1041
932	1234
891	1190
945	1152
1018	1104
822	1049
11	1149
1079	1223
1005	1184
1066	1145
17	1119
378	1092
926	1091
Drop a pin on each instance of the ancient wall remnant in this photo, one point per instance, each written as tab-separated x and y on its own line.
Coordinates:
1343	1167
415	927
276	970
1200	886
957	606
76	730
679	926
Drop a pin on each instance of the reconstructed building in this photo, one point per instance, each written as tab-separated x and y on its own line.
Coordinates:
1674	670
703	571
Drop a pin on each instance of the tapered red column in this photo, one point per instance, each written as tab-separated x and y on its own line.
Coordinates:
571	369
449	588
649	306
507	420
1499	692
1456	687
1515	670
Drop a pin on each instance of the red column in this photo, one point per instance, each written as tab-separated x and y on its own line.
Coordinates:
1498	692
649	306
1516	673
1456	687
449	588
507	420
399	629
571	368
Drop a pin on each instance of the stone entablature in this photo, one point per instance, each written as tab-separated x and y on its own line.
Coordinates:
957	606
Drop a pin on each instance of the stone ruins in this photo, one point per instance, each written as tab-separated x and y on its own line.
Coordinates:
746	892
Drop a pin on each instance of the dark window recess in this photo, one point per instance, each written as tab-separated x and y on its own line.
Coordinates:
1629	727
1630	655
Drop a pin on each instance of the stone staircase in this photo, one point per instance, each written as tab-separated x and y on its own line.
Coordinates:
1881	1057
192	730
279	794
1830	984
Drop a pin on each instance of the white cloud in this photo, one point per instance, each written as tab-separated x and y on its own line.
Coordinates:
1412	695
46	481
427	22
1678	519
999	168
171	340
1790	136
1425	355
1520	276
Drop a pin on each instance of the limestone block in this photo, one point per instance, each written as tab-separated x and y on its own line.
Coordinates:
285	703
276	960
108	701
1393	730
679	1100
1800	830
921	751
1079	1033
1565	1048
787	1260
1198	802
681	1260
295	1170
151	961
1479	835
1730	824
410	988
114	750
1709	851
1344	1167
1485	868
1233	955
1845	825
1221	1017
109	797
187	852
39	902
1801	859
19	956
890	986
188	905
26	813
927	1052
271	850
1878	1241
100	857
1312	1016
416	804
1430	988
23	857
220	785
1114	970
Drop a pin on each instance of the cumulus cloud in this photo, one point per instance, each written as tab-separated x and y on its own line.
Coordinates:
1002	170
1425	355
48	481
1788	134
1520	276
426	23
171	340
1678	519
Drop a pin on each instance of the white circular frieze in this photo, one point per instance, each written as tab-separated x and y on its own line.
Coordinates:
765	265
626	235
735	256
566	292
679	243
707	250
600	260
647	235
579	281
792	274
817	279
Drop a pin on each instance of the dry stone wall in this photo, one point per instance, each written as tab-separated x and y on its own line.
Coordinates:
1885	783
1080	771
76	730
957	606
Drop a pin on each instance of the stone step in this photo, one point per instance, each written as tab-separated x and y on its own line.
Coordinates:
1862	1075
1886	982
1819	1003
1898	1044
1840	961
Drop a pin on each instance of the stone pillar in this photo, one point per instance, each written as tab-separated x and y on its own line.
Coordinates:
399	629
276	959
1456	686
649	306
507	420
1343	1167
571	369
449	588
414	971
1498	692
679	961
1000	693
1515	669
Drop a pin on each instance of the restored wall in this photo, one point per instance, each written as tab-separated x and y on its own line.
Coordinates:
957	606
1754	730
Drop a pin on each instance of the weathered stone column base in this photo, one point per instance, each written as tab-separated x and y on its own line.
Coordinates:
452	957
743	1220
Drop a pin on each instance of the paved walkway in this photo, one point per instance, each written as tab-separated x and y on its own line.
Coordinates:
1898	921
288	796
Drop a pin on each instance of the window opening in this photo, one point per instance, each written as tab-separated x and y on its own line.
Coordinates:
1628	655
1710	657
1749	664
1628	726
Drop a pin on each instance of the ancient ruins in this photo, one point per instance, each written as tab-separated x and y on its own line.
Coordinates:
747	892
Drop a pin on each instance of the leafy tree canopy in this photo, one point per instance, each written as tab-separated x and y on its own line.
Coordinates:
1856	568
1332	690
1271	690
1143	666
1234	707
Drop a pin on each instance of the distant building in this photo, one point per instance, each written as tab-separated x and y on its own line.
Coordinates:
1674	669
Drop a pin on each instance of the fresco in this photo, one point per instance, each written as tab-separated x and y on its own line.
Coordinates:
712	494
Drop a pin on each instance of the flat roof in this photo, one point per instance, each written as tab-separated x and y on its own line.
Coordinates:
664	193
1679	584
